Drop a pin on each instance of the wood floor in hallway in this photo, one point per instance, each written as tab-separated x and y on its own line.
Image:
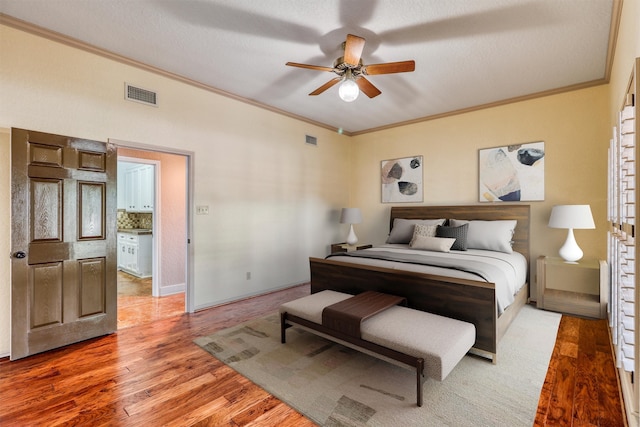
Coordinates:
137	306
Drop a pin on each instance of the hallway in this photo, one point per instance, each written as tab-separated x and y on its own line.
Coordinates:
136	306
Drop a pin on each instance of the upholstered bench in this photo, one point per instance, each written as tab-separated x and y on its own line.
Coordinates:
431	344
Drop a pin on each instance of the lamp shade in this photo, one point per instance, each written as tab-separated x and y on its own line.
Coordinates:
571	216
350	216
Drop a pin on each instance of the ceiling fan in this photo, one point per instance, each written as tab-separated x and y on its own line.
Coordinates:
351	71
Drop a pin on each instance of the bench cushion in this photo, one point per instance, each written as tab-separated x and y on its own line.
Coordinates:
310	307
442	342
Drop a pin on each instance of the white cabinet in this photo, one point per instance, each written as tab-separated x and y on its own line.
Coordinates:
139	188
146	198
134	254
131	189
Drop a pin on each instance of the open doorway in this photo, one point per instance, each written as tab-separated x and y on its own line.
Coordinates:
152	235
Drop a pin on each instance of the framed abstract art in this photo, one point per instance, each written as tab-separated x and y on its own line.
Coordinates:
512	173
402	180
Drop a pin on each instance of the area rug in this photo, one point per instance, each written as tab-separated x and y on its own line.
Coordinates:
337	386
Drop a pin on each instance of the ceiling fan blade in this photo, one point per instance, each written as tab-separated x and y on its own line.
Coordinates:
353	50
367	87
389	68
311	67
325	86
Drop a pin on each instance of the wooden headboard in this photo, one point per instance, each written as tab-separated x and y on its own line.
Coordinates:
486	212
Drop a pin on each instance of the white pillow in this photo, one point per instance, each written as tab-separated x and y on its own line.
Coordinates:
424	231
402	230
490	235
438	244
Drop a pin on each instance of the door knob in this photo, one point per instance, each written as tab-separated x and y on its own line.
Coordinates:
19	255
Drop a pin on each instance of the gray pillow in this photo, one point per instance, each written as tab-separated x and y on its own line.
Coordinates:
490	235
402	230
458	233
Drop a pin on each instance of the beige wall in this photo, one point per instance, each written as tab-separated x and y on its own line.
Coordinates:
627	49
572	125
576	129
171	239
273	199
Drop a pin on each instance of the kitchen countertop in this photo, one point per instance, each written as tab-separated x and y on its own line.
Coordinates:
138	231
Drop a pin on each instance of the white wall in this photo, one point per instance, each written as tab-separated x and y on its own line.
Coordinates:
274	200
5	242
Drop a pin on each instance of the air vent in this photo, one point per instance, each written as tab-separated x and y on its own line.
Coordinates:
311	140
143	96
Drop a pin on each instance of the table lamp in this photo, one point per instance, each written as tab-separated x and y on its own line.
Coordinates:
570	217
351	216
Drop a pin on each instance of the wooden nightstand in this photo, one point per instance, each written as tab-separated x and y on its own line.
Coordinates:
579	288
344	247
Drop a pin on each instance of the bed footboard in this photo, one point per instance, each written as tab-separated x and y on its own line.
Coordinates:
467	300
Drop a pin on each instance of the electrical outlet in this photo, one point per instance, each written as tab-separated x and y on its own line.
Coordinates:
202	210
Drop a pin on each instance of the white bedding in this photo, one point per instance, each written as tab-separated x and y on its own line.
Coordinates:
514	267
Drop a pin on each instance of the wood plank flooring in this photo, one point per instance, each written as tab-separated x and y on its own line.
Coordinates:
136	305
145	375
152	374
581	387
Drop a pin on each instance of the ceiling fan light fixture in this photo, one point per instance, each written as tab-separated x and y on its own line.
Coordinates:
348	89
351	71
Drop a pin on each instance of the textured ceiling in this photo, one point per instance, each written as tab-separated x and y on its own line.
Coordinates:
467	53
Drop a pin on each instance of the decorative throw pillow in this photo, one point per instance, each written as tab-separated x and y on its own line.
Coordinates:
490	235
424	231
402	230
458	233
427	243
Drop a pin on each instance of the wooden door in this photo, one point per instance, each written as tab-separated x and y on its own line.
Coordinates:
63	205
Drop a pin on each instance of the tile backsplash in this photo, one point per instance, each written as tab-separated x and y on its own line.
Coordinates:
128	220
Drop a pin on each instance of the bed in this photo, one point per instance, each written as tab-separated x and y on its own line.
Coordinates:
469	298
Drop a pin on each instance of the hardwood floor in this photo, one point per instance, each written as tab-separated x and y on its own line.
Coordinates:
152	374
136	305
581	387
146	375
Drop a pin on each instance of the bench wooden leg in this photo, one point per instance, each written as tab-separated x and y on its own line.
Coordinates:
283	327
418	363
419	380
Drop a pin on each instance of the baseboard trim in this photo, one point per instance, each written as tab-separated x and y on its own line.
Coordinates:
248	296
172	289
